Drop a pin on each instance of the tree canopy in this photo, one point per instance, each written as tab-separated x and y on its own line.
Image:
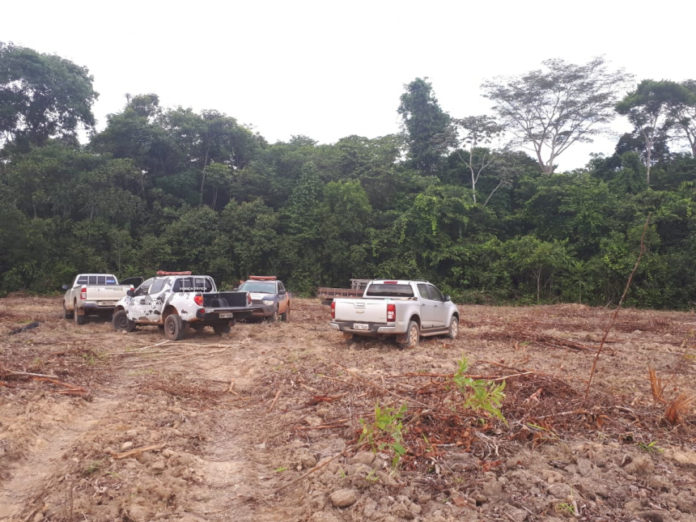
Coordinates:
551	109
42	96
446	200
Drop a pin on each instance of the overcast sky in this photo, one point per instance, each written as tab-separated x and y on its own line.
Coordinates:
329	69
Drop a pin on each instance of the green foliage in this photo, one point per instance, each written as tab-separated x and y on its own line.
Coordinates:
386	432
174	188
42	96
480	394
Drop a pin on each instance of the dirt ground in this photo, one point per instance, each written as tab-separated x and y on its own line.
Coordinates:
265	423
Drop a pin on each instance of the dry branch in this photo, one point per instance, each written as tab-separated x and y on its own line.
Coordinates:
618	307
656	387
678	408
137	451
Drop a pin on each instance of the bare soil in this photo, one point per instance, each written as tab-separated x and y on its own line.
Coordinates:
265	423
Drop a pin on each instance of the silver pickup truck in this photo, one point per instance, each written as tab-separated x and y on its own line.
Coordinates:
405	309
92	294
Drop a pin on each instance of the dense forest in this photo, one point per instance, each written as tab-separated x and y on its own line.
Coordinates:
473	203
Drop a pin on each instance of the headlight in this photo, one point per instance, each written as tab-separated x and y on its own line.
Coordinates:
268	302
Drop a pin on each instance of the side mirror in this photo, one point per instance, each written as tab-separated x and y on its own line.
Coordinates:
130	292
448	298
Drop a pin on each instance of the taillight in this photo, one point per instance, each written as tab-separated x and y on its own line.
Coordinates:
391	313
83	293
333	310
198	299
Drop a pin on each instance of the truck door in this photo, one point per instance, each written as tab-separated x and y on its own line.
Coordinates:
429	307
439	309
154	303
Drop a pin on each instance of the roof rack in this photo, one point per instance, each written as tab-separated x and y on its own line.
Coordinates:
165	273
262	278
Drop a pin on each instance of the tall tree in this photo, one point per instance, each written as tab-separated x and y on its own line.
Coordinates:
553	108
479	131
684	114
649	109
42	96
429	130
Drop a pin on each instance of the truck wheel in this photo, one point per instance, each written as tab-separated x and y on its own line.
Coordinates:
67	314
286	315
78	316
221	328
121	321
274	318
411	337
453	327
173	327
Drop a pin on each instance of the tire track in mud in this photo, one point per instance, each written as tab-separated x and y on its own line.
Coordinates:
21	494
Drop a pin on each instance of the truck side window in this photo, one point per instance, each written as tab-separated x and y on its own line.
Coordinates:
82	280
281	288
423	291
435	294
157	286
143	288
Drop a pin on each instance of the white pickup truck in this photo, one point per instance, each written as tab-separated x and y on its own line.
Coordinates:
92	294
405	309
174	300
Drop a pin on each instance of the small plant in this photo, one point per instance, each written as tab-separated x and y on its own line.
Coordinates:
280	469
92	468
650	447
372	476
565	509
481	394
387	431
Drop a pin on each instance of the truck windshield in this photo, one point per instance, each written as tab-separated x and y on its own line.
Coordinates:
261	287
389	290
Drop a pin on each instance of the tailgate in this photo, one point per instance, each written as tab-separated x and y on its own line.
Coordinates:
225	300
106	293
361	310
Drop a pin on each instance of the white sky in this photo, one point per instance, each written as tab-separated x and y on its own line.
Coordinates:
329	69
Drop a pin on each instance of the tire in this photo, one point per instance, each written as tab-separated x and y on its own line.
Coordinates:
411	337
121	321
274	318
173	327
222	328
67	314
453	330
80	318
285	316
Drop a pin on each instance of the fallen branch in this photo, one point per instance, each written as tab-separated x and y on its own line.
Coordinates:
381	388
137	451
275	399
